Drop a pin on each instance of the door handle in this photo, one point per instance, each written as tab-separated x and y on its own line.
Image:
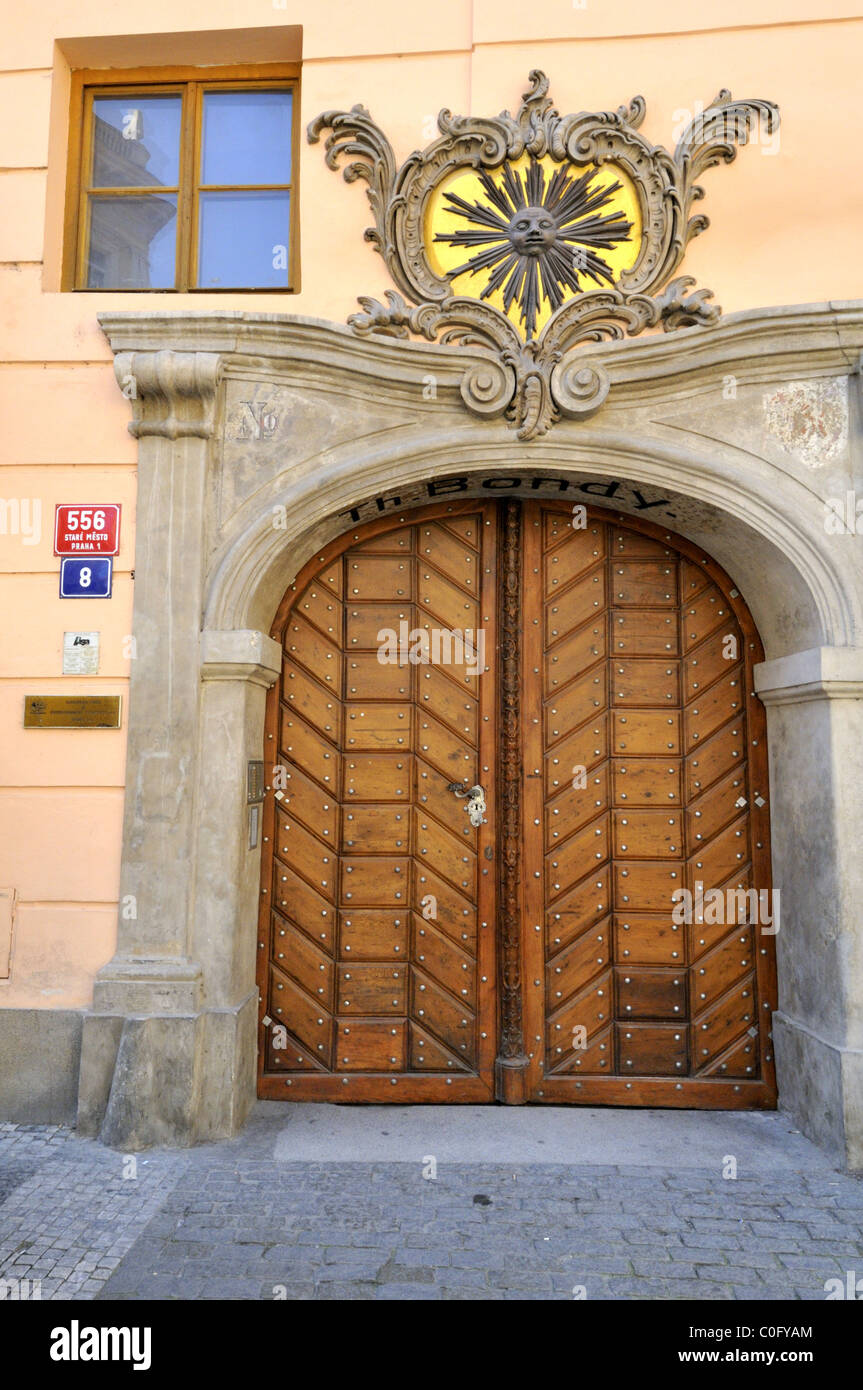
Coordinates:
475	801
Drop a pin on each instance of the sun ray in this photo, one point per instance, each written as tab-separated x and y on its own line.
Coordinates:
535	185
475	212
497	195
597	231
550	281
513	289
563	267
484	259
571	196
468	238
513	188
498	276
579	199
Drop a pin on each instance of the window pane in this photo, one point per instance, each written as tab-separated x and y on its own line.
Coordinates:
136	141
132	242
246	137
243	240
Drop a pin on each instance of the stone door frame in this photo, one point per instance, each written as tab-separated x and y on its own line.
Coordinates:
262	436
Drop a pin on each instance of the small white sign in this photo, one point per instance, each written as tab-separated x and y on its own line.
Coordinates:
80	653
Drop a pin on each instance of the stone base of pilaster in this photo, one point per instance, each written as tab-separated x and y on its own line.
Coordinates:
167	1079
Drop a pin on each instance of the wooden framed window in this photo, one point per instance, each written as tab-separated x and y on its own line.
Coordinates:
184	182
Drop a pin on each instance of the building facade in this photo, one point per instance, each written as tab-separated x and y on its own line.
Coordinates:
477	670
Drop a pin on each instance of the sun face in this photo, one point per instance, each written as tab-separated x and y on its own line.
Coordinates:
533	231
536	232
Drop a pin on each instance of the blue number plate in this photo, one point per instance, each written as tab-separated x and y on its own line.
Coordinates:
86	577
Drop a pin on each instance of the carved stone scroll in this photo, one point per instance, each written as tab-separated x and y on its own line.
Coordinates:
551	248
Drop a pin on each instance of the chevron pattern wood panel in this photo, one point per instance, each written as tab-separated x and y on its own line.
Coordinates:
380	983
605	935
645	774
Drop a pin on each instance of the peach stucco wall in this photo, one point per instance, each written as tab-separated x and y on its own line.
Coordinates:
785	229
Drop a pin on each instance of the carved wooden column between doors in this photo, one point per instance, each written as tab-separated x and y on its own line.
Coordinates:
511	1062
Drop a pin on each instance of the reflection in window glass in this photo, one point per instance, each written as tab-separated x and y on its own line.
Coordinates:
246	138
136	141
243	240
133	243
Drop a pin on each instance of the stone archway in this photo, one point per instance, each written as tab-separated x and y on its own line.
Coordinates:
169	1046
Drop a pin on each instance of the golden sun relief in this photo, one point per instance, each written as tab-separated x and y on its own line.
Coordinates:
531	234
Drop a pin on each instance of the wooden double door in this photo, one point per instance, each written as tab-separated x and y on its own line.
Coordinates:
593	677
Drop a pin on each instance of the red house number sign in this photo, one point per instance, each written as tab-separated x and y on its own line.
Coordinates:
87	530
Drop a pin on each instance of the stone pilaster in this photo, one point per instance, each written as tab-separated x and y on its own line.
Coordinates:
173	398
148	1052
815	735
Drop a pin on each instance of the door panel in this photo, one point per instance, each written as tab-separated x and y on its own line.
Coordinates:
647	746
381	981
404	949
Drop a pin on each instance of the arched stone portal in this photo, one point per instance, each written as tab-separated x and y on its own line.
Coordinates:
261	439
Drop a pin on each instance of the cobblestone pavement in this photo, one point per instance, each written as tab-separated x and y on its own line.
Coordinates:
67	1215
234	1221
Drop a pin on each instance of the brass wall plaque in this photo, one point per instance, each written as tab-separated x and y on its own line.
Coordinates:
72	711
255	782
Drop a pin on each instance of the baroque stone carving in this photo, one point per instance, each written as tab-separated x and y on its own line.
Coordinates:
539	232
173	394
